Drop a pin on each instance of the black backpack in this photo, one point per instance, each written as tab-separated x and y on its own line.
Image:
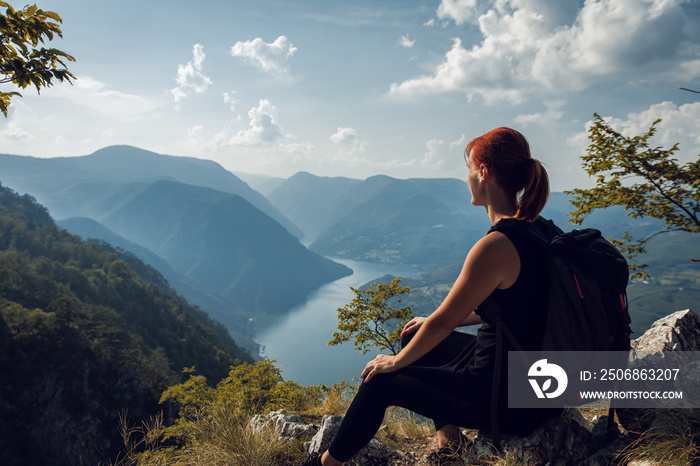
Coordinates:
587	300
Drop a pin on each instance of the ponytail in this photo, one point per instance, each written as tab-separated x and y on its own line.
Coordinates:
535	193
506	153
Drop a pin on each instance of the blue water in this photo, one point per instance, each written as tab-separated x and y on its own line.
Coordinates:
298	340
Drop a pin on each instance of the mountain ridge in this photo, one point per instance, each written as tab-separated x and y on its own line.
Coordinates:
41	177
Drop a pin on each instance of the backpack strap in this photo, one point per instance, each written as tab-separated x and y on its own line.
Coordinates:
529	229
490	312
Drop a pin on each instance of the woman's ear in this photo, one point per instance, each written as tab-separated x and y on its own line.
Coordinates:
483	172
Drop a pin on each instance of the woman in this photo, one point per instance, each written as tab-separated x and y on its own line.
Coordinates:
446	375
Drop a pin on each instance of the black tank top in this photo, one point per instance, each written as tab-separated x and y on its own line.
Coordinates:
523	305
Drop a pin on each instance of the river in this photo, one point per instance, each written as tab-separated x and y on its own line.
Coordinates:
298	340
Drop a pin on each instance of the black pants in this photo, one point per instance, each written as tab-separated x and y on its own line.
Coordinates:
440	386
434	386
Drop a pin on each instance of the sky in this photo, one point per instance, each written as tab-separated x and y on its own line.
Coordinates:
366	87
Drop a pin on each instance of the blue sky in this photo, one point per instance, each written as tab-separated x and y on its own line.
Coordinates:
359	88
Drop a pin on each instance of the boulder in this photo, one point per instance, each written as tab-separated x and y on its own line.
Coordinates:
287	426
567	439
679	331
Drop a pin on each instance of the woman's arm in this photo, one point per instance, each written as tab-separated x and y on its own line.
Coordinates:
492	263
416	322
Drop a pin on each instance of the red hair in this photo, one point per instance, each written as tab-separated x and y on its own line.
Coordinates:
506	153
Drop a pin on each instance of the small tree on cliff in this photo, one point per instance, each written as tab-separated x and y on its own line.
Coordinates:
22	61
370	320
647	181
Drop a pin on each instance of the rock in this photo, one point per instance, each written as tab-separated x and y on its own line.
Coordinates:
292	427
375	453
567	439
288	427
679	331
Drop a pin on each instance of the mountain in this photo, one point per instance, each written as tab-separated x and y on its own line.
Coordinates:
424	221
215	238
85	337
314	202
219	307
206	223
383	219
264	184
46	178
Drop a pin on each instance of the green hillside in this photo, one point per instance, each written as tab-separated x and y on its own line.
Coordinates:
84	336
216	305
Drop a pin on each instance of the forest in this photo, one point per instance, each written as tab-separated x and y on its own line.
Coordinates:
87	332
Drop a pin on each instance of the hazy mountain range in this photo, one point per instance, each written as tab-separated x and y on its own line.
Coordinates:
413	221
226	241
235	252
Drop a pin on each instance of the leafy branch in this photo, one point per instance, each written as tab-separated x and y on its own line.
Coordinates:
22	61
647	181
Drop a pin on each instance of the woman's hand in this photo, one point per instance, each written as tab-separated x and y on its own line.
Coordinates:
413	325
382	364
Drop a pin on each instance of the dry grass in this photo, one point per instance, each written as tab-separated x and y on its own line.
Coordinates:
508	458
673	439
222	438
401	428
337	400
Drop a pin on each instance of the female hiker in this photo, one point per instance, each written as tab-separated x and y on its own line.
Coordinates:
445	375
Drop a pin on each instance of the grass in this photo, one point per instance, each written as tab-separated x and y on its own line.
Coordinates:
673	439
223	437
218	432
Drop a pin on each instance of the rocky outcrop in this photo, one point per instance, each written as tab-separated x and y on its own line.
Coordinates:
676	332
287	426
292	427
567	439
679	331
564	440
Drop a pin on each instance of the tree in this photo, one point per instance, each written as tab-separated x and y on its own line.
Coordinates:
22	62
647	181
369	318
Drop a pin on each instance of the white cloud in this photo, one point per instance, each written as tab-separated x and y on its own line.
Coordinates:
190	77
552	115
296	148
344	136
230	98
461	142
351	149
406	41
264	127
678	125
461	11
98	97
551	47
14	132
193	135
232	101
269	57
432	158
